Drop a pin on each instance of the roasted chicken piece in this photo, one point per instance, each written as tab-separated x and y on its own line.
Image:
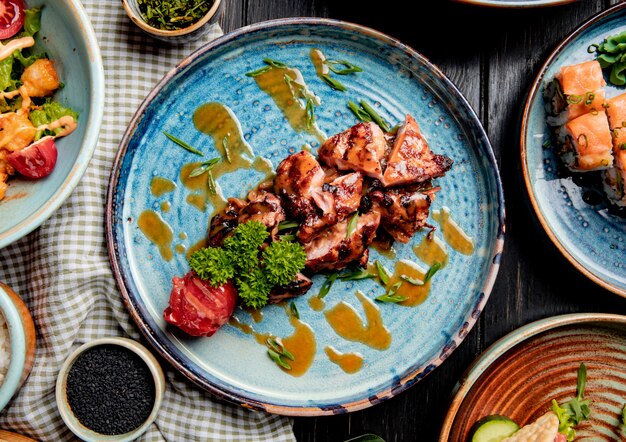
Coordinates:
297	177
411	160
335	201
264	207
403	211
40	78
360	148
16	131
225	222
299	286
332	250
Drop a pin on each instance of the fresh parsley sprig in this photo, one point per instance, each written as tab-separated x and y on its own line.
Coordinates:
575	411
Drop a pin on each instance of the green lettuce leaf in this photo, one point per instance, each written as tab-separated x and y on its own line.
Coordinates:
49	112
32	21
6	68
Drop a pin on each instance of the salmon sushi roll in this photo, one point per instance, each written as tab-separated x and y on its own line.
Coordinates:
575	91
588	144
614	177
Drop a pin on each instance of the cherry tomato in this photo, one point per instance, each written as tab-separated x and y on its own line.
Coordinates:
37	160
11	17
198	308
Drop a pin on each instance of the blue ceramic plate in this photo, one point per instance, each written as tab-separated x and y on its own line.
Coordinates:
71	44
591	237
231	364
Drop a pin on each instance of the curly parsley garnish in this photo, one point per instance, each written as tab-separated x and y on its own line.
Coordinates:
254	273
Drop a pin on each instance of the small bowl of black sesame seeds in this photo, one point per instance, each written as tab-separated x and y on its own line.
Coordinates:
110	389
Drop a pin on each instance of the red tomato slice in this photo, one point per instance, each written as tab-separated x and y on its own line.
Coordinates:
37	160
11	17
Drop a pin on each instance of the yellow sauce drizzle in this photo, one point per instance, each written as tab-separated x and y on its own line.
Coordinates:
452	232
158	232
160	186
194	248
200	186
318	58
303	347
415	294
287	97
431	251
349	362
316	303
260	338
348	324
385	248
165	206
256	315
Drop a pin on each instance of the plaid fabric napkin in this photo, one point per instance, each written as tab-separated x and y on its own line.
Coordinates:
62	269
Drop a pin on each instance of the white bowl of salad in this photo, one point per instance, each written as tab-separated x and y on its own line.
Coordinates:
51	105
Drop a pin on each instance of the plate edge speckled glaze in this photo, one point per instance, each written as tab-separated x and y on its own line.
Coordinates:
505	5
96	112
504	344
403	383
532	95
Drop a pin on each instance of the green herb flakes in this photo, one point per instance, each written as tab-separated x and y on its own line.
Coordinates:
170	15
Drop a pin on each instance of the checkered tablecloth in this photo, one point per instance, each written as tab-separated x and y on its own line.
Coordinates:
62	269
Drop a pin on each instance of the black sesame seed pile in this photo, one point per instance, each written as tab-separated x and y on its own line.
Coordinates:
110	390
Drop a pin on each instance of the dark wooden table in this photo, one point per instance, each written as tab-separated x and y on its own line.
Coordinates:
492	56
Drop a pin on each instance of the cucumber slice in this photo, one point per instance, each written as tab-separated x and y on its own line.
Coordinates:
493	428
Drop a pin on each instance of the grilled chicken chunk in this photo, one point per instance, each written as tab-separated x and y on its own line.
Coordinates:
332	250
360	148
411	160
335	201
225	222
264	207
297	177
403	211
299	286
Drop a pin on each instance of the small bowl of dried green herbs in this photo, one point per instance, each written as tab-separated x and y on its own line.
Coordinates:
174	21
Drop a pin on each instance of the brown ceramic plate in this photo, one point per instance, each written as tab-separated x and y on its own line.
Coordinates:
520	374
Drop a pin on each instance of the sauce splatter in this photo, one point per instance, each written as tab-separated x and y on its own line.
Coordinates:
260	338
199	185
453	233
349	362
157	231
180	248
160	186
432	250
255	314
165	206
348	324
286	86
302	345
194	248
415	294
318	58
385	248
316	303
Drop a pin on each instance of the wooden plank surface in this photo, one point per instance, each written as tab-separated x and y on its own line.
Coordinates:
492	56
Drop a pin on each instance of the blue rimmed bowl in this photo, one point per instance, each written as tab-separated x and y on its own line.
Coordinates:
591	236
71	43
22	342
398	81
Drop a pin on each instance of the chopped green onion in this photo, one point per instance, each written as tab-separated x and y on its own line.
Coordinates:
574	99
375	116
358	112
225	146
352	224
284	225
278	359
182	144
622	146
211	184
310	113
546	144
204	167
335	84
258	72
289	237
431	271
391	295
278	347
274	63
294	310
584	137
589	97
349	67
330	280
410	280
355	275
383	274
